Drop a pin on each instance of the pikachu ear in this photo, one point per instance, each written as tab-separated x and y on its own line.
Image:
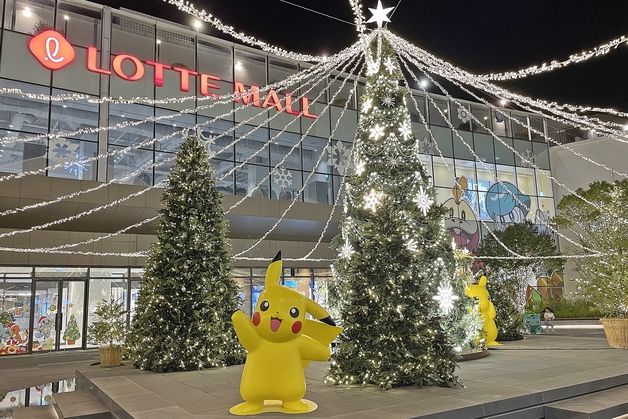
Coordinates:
483	281
273	272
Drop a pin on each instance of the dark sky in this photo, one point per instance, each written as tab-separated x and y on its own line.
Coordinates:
480	36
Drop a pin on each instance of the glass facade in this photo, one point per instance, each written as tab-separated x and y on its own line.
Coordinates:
50	308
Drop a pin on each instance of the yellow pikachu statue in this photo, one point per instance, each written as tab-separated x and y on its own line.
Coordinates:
487	309
280	341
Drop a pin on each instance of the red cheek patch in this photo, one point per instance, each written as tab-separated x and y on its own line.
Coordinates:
296	327
256	318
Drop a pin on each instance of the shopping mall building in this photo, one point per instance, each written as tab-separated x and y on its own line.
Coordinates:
39	290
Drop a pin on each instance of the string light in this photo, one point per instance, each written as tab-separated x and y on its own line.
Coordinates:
580	57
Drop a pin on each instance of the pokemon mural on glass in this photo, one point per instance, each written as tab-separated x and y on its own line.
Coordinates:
280	342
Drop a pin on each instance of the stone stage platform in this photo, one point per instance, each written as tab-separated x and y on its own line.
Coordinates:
521	380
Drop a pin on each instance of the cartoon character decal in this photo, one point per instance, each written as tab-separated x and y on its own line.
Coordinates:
42	335
502	206
551	288
280	341
461	221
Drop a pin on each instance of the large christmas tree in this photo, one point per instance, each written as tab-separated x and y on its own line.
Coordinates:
183	313
392	279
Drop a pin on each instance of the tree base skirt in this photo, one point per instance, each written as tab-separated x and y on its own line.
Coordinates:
110	356
471	355
616	330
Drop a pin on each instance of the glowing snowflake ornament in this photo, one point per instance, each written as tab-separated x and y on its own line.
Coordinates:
372	68
423	200
372	200
367	105
405	129
376	132
388	101
390	65
346	251
360	167
445	297
380	14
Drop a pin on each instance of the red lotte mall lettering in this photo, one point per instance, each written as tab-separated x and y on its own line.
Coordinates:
54	52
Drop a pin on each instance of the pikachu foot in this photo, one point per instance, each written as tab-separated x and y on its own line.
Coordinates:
247	408
274	406
494	343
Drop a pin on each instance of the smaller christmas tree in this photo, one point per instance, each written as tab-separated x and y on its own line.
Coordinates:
72	333
183	313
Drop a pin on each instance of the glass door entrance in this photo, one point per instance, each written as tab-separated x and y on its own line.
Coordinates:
58	314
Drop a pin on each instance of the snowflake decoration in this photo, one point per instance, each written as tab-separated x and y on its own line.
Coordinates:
77	167
528	155
388	101
62	149
390	65
394	162
367	105
411	244
445	297
423	200
405	129
346	251
283	178
372	200
372	68
376	132
464	115
338	155
360	167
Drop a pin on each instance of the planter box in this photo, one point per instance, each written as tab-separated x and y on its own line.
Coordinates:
616	330
110	356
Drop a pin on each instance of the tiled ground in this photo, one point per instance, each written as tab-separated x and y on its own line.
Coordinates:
539	369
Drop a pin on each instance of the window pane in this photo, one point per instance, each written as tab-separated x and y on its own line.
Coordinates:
131	135
520	129
23	114
122	165
414	115
504	154
164	162
251	146
250	69
484	147
80	25
69	153
15	289
280	70
342	93
544	183
536	123
525	181
178	51
348	123
71	116
221	143
312	149
20	157
215	60
319	189
286	183
461	146
247	178
461	119
466	169
481	113
169	127
524	152
284	146
32	16
443	175
501	124
506	174
443	138
435	116
224	183
541	155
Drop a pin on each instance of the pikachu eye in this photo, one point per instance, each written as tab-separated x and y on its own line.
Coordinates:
264	306
294	312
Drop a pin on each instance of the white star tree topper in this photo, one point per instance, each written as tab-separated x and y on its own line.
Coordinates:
380	14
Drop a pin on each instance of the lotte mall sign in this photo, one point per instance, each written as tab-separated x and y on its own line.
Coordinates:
54	52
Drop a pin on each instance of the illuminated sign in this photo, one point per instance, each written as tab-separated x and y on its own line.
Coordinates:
54	52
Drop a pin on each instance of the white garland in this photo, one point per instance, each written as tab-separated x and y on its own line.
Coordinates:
189	8
580	57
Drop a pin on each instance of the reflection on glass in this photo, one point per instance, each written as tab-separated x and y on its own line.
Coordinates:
15	296
45	319
72	304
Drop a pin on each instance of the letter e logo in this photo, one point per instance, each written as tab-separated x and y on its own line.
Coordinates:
52	50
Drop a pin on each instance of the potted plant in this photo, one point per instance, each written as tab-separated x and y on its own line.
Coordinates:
72	333
108	331
601	224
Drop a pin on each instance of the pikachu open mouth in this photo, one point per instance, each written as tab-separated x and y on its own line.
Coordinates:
275	322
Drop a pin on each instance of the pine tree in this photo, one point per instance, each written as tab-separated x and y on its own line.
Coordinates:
395	256
183	313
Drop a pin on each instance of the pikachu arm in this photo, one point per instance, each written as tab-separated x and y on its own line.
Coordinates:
491	313
312	350
247	335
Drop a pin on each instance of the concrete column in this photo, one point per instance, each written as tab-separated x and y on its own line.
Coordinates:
103	118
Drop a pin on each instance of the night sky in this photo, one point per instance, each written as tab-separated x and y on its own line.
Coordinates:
480	36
